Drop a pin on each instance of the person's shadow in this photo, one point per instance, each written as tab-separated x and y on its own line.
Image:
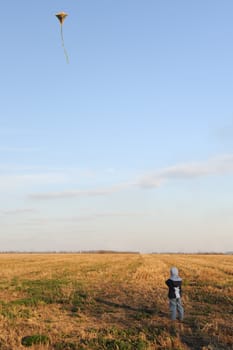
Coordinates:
143	310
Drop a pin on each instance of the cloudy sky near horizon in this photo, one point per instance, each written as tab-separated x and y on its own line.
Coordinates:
130	145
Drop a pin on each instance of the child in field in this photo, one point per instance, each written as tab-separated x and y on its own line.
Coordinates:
174	294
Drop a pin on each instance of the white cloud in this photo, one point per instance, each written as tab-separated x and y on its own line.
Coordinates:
214	166
17	211
78	193
75	219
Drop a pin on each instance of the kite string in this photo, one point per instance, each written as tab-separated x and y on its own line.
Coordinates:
63	45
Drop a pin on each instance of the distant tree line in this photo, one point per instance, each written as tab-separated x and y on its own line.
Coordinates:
100	251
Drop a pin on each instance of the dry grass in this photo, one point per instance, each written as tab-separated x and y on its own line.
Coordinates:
114	302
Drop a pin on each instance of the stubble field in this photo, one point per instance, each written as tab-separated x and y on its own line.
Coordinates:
113	301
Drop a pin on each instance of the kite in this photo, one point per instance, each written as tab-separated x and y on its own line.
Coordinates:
61	17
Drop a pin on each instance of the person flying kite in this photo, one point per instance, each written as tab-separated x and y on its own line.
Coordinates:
61	17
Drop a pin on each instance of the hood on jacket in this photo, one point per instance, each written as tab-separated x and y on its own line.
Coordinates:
174	274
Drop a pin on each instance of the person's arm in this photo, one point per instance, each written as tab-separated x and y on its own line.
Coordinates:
168	283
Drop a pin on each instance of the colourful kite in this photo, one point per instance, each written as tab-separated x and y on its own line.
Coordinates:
61	17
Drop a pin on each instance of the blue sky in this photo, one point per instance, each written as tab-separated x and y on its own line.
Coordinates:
130	145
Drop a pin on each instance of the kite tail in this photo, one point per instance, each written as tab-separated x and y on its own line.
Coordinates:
63	45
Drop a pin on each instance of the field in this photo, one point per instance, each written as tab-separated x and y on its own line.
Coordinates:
113	301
